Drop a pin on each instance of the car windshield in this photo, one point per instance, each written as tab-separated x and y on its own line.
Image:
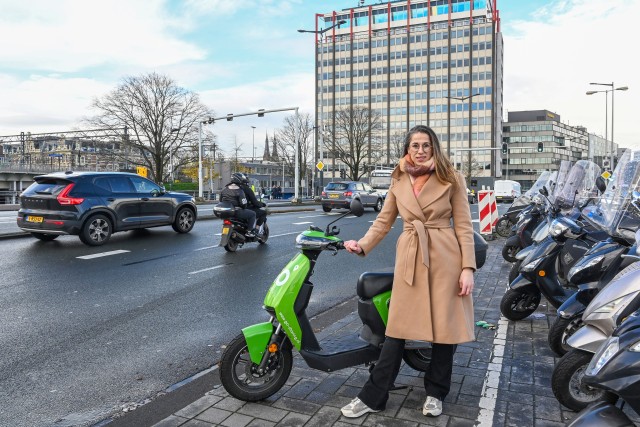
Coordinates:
337	186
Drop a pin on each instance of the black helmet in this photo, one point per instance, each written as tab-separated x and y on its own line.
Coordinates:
239	178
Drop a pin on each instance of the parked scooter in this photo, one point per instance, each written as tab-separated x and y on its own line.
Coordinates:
530	219
615	368
257	363
596	268
234	230
510	217
545	264
609	307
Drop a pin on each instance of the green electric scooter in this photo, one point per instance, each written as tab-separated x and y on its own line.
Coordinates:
257	363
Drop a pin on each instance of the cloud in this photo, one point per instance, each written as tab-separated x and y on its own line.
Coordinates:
549	63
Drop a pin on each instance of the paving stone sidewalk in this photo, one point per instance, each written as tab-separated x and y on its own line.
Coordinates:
501	379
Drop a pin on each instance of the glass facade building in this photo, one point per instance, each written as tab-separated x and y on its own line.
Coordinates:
435	62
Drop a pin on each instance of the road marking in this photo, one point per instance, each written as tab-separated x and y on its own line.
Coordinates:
285	234
302	223
206	247
7	220
103	254
208	269
489	395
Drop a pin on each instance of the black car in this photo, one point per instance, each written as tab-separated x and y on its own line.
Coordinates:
94	205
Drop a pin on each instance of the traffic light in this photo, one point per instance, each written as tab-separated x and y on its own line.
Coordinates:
504	148
540	147
229	117
343	174
261	112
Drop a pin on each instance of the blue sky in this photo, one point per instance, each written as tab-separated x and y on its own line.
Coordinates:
242	55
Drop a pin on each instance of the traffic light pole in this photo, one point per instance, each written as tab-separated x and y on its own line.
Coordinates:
455	151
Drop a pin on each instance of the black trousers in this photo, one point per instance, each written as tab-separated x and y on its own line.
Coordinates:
247	215
437	379
261	214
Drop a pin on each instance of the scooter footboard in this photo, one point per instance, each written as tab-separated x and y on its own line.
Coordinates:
257	338
588	338
601	414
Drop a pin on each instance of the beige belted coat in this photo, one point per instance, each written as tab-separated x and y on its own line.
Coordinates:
430	255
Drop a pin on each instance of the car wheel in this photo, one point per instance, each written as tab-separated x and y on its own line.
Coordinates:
378	205
96	230
185	219
45	237
326	208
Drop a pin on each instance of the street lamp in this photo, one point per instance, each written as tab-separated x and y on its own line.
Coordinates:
253	145
612	90
318	149
462	99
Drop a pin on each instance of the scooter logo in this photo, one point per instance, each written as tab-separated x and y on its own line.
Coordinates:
284	276
290	329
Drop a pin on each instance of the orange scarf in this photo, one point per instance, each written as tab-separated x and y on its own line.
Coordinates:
420	173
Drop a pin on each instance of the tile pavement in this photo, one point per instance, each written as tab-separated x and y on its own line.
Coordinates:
501	379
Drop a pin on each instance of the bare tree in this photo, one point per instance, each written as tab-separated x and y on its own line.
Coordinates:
397	144
287	146
355	138
162	121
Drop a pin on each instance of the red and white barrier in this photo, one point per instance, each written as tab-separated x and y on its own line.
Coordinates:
487	210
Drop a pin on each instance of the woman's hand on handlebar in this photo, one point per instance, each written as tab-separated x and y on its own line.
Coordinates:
352	247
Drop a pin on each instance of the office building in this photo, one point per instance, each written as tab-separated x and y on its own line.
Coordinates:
411	62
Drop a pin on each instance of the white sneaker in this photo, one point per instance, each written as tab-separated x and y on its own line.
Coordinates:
432	407
356	409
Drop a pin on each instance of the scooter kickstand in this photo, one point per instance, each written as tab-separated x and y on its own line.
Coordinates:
398	387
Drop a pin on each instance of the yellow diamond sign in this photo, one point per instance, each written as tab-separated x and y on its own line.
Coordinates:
606	175
320	165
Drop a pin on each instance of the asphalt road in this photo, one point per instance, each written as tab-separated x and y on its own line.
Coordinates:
86	332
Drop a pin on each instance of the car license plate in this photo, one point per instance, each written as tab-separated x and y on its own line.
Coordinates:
30	218
334	196
225	230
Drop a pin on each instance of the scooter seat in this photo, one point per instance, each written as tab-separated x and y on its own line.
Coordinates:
371	284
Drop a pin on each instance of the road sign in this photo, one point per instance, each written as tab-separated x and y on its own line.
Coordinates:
320	165
142	171
606	175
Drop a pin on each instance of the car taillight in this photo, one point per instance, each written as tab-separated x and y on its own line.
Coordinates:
324	194
64	199
348	193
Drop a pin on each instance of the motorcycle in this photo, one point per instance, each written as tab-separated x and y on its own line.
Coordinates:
542	271
257	363
235	230
510	217
610	306
537	214
595	269
615	368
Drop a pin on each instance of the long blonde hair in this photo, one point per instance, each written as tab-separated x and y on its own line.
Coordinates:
445	172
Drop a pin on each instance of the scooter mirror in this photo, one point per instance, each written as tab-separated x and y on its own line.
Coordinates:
356	207
601	184
544	191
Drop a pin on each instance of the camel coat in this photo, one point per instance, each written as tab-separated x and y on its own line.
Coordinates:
430	255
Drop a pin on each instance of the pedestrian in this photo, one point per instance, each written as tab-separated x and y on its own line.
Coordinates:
433	274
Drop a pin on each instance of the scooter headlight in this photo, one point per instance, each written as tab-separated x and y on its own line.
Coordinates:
538	199
616	305
558	228
581	267
635	347
531	266
604	354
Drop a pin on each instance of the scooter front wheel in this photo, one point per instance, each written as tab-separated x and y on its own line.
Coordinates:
240	376
567	384
509	252
503	227
560	332
418	359
517	304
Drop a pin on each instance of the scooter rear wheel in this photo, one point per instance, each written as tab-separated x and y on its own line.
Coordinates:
503	227
418	359
231	245
561	330
509	252
517	304
240	376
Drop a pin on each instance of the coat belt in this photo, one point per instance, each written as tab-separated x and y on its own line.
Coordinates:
419	238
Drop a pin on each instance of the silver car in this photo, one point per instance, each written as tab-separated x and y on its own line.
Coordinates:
339	195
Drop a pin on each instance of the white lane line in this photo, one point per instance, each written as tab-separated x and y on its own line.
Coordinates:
302	223
102	254
207	269
206	247
489	394
311	216
7	220
285	234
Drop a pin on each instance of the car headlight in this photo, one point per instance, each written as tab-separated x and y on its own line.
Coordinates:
531	266
558	228
604	354
580	267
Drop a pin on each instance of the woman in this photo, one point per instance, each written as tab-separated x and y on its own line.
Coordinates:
433	275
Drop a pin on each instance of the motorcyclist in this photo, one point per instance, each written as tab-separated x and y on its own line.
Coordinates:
240	194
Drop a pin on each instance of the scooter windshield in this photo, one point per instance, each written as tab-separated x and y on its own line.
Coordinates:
525	199
555	186
615	212
579	185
